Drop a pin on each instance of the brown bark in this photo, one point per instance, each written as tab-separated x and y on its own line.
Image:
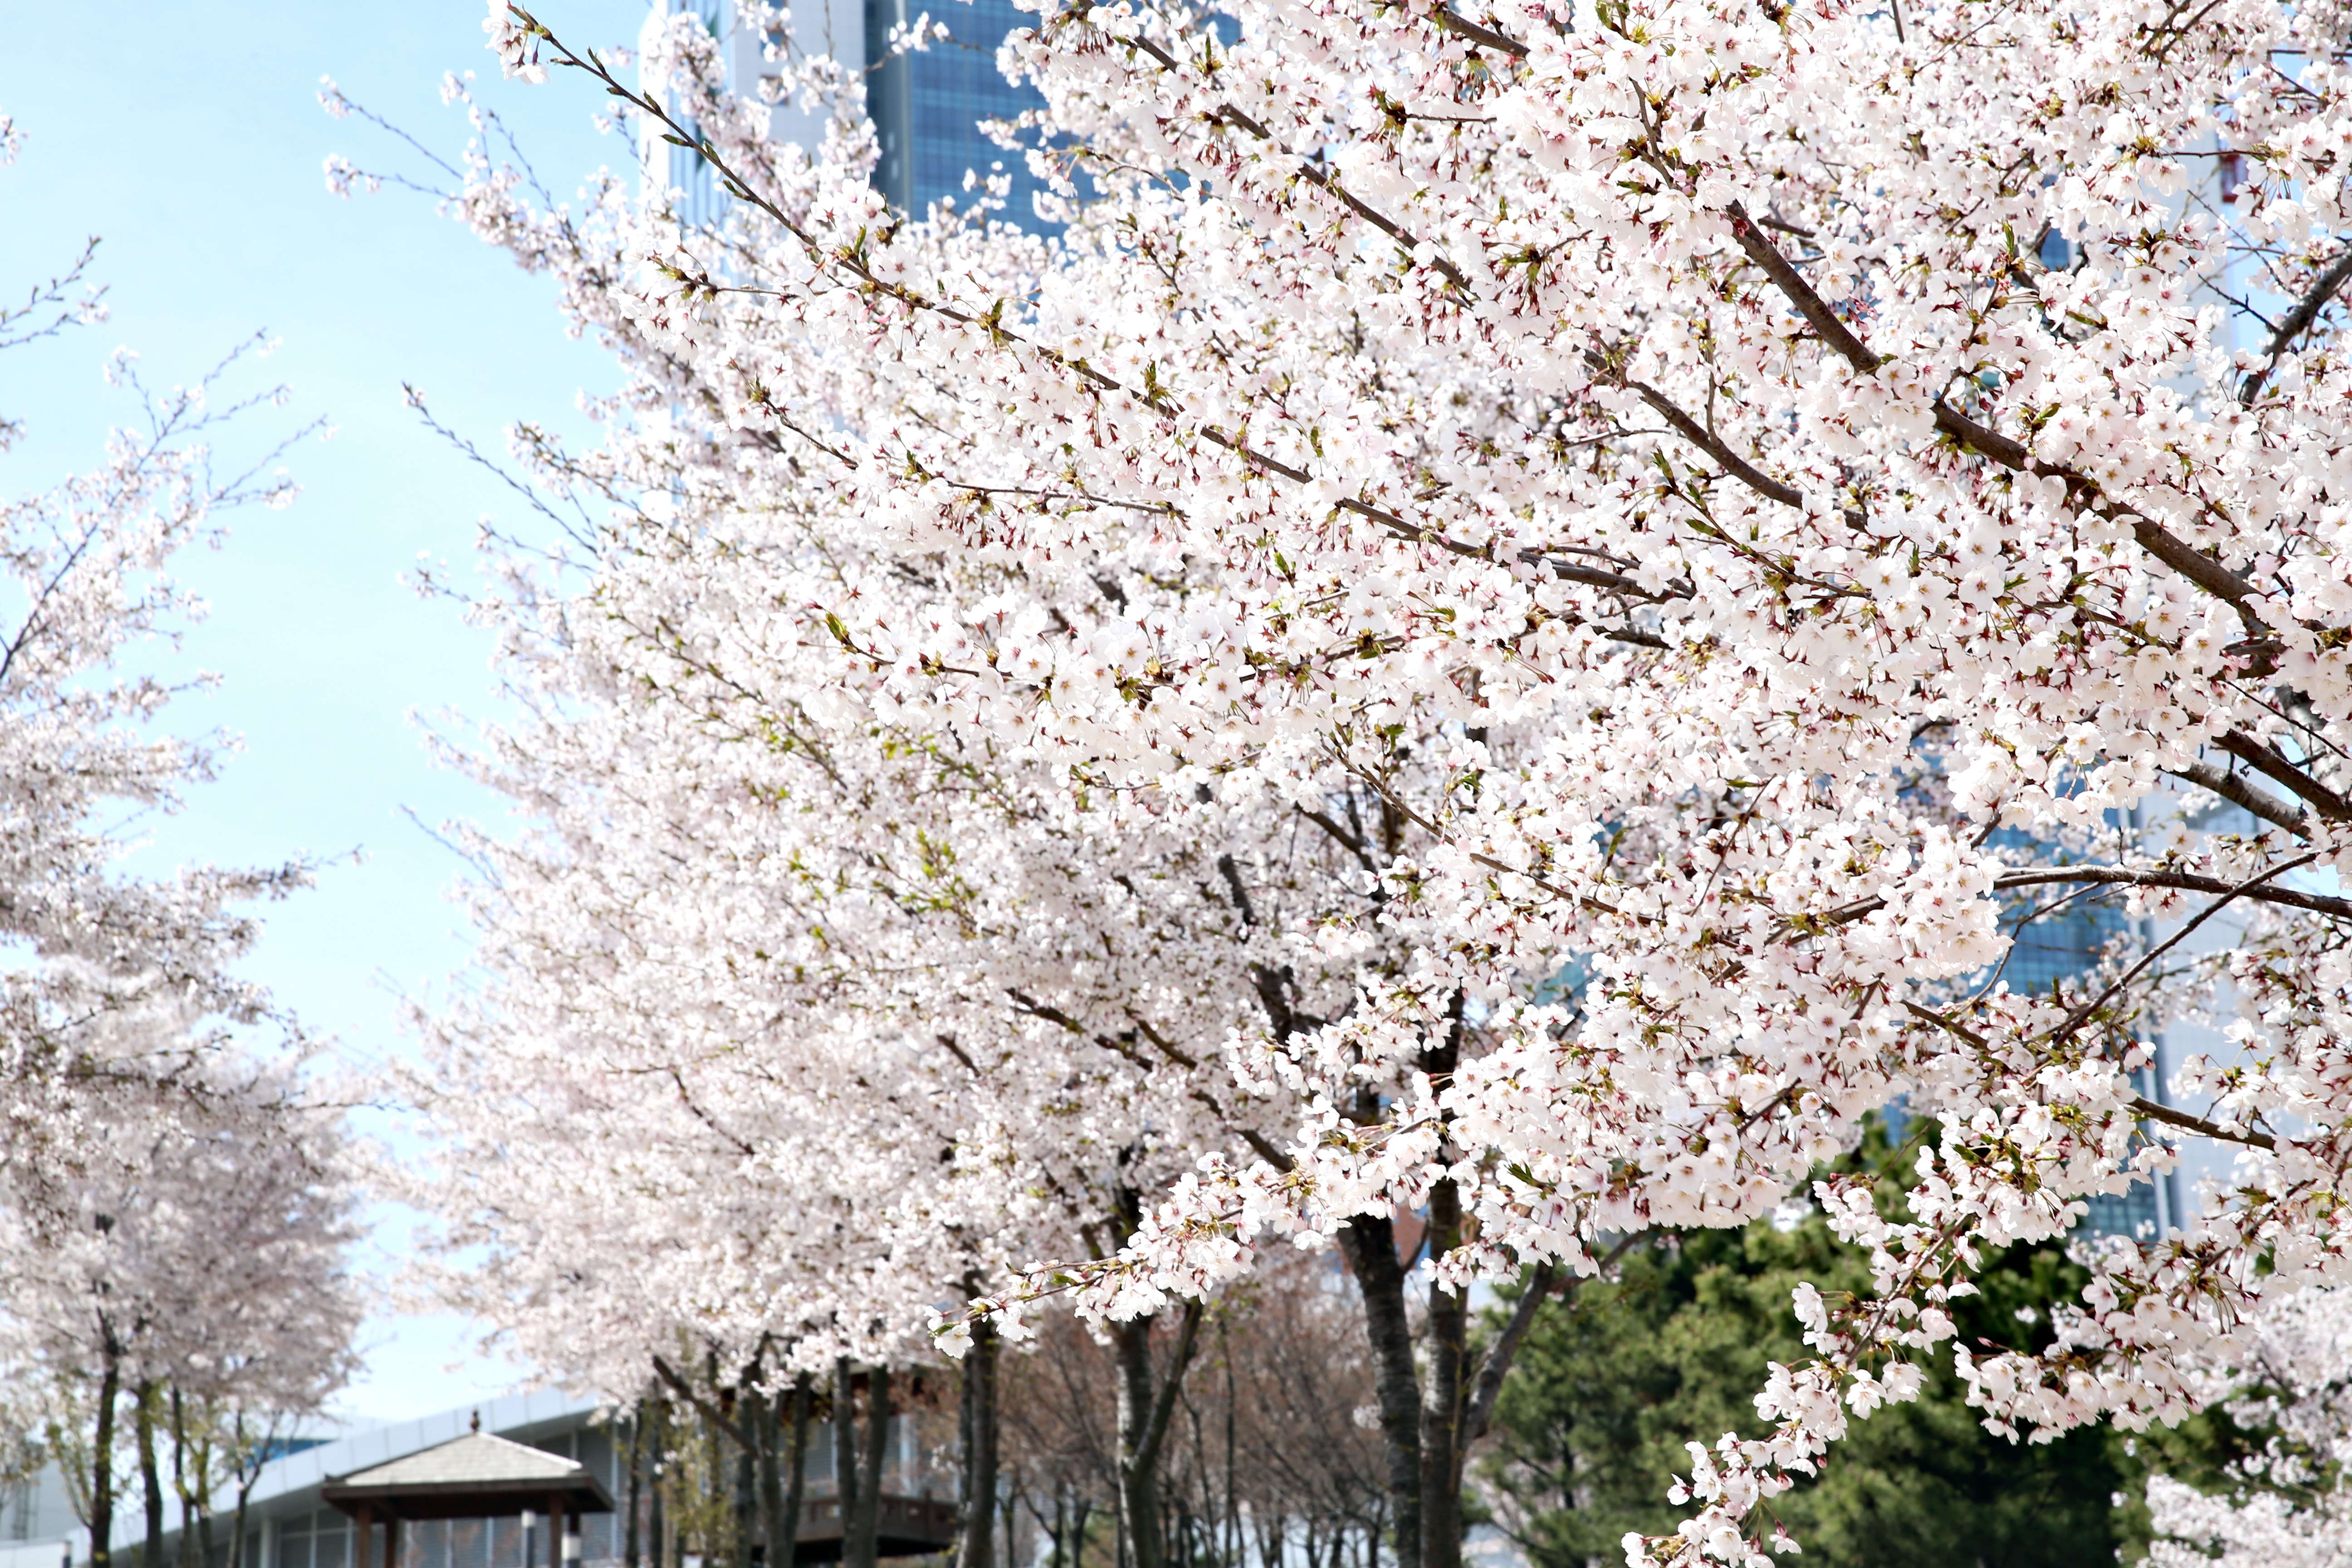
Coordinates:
977	1418
658	1514
151	1481
845	1450
751	1420
1146	1404
632	1509
102	1457
1441	1406
796	1472
1369	1243
862	1528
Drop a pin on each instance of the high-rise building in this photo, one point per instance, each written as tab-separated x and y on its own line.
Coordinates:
927	105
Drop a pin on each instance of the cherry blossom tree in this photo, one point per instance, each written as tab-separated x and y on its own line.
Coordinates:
172	1210
797	1025
196	1259
653	676
114	967
2287	1505
1655	450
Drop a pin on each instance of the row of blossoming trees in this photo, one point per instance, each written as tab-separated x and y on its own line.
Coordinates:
173	1204
1500	627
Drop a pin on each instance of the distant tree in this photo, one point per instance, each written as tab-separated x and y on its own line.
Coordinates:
2274	1489
172	1212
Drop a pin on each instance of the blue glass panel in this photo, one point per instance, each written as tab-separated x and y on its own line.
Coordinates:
926	106
2131	1213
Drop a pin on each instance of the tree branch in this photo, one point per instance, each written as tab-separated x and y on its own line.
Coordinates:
711	1412
2197	1125
2198	568
2186	881
2082	1013
1163	1403
2265	760
2297	322
1463	27
2141	1105
1540	1284
2240	794
1545	1281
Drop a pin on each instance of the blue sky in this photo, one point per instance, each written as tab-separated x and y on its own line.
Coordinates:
189	136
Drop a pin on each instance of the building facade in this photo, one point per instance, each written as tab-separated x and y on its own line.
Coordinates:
927	104
289	1525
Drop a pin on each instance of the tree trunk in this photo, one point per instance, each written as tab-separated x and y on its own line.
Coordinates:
977	1417
193	1489
150	1554
1232	1533
1420	1431
863	1541
1145	1404
102	1459
1270	1533
1139	1478
1440	1406
248	1474
657	1521
632	1510
796	1476
844	1451
752	1415
1369	1242
711	1538
1448	1349
237	1543
760	1416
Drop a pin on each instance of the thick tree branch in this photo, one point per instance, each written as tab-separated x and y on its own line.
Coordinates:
2198	568
1810	305
1171	1385
1545	1281
2115	876
1505	1349
2185	881
711	1412
2141	1105
1463	27
2297	322
2240	794
2271	765
1698	436
2197	1125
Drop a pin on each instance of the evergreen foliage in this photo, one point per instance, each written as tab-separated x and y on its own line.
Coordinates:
1618	1375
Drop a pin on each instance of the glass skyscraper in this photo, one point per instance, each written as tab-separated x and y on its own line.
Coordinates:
926	104
2064	946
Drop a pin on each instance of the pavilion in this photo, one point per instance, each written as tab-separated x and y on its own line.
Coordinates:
478	1476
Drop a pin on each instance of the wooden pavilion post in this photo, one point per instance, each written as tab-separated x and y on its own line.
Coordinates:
555	1502
362	1535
